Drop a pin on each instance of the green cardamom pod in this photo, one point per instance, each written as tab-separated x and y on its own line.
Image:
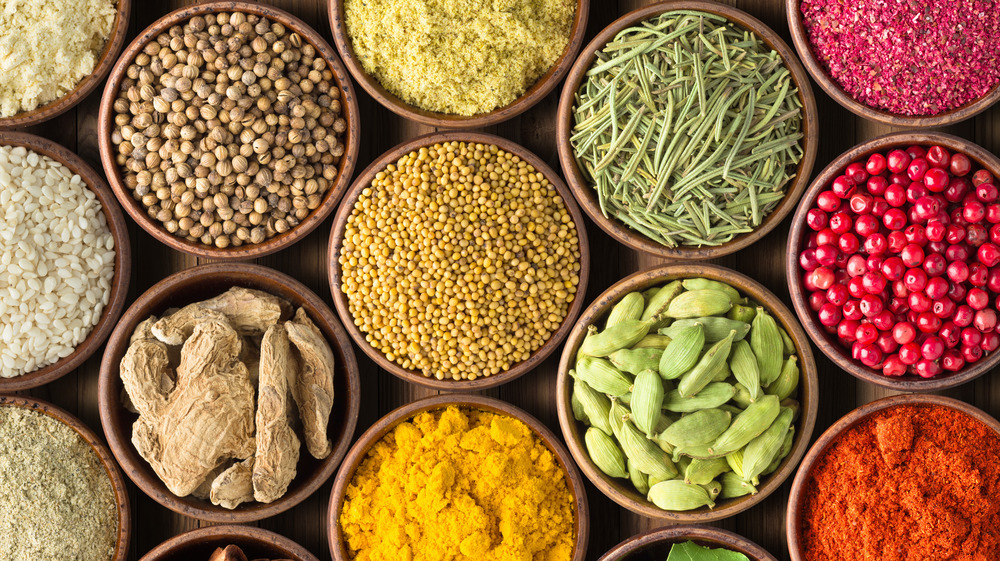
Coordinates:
652	341
711	396
647	400
634	361
700	284
722	373
682	464
747	425
743	363
578	413
793	405
648	294
654	480
605	453
697	303
659	302
619	336
716	328
788	379
682	353
788	346
639	480
700	427
601	375
765	341
733	486
701	472
696	451
735	462
713	487
616	416
679	496
760	452
648	458
742	397
733	410
628	308
739	312
786	448
596	406
698	377
591	331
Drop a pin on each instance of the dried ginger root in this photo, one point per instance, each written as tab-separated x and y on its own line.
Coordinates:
233	486
234	553
277	445
313	387
249	311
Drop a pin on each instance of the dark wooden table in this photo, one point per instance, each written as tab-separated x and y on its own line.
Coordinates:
381	392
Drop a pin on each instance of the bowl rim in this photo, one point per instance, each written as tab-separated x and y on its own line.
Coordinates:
364	179
586	195
349	108
87	84
830	347
808	388
406	412
118	292
164	551
122	503
800	38
851	419
675	534
545	83
140	472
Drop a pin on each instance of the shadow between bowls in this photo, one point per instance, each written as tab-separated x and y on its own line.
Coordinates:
816	453
192	285
122	503
621	490
349	109
587	196
256	543
384	425
364	180
123	261
545	84
800	37
654	545
105	60
828	343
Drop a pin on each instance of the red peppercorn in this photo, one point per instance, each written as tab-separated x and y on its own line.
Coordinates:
822	278
936	247
875	244
982	176
994	234
840	222
848	243
952	361
893	268
957	252
928	322
856	172
895	195
972	354
837	295
876	164
916	234
899	179
847	328
866	333
927	368
988	254
990	342
877	185
909	353
963	315
918	302
874	262
894	219
917	168
932	348
978	273
816	219
937	180
856	265
861	203
826	236
897	161
973	211
879	207
893	366
987	192
976	234
960	164
897	305
993	281
904	332
985	320
896	241
871	305
936	288
826	255
883	321
935	264
912	256
866	225
938	156
950	334
828	201
915	151
870	356
816	300
958	271
915	191
843	187
925	208
971	336
915	279
957	189
934	230
977	299
829	314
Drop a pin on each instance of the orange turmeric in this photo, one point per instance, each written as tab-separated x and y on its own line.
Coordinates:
459	484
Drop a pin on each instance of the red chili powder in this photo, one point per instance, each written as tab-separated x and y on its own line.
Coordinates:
913	483
909	57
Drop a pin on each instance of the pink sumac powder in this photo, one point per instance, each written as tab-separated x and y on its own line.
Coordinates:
909	57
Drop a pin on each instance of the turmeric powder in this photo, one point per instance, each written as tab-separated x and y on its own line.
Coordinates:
456	484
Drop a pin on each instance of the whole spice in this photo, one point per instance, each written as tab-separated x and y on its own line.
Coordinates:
229	129
234	553
689	128
909	481
58	260
900	261
677	438
56	499
463	57
908	58
459	483
459	261
690	551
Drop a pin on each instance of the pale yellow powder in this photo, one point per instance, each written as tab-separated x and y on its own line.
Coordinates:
458	56
47	47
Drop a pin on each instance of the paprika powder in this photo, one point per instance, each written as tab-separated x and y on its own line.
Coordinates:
909	482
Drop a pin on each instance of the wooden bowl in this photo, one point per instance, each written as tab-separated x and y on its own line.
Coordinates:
801	40
797	494
360	450
621	490
337	238
192	285
87	84
587	196
829	344
545	84
123	261
654	545
117	482
256	543
350	112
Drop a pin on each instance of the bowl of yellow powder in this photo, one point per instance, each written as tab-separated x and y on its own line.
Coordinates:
452	477
458	63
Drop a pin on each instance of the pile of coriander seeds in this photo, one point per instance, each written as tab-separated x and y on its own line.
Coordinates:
229	129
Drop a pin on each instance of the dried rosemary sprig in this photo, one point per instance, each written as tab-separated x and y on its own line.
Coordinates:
689	128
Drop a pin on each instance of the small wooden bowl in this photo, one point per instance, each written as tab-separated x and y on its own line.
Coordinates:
87	84
360	450
796	236
654	545
800	37
349	109
796	498
337	238
545	84
117	482
621	490
256	543
192	285
584	191
123	261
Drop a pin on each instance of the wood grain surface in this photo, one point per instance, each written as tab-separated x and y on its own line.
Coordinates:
534	392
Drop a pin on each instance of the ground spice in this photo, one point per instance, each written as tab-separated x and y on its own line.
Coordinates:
907	57
56	500
458	56
908	483
459	483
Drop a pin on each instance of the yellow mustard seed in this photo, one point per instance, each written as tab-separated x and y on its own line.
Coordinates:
459	261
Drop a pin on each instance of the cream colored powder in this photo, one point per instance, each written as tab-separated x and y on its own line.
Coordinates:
458	56
47	47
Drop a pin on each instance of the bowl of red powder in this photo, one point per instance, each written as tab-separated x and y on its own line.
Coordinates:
905	477
903	62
